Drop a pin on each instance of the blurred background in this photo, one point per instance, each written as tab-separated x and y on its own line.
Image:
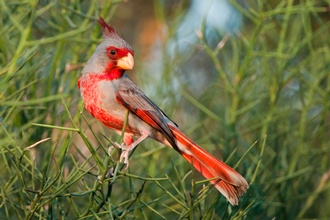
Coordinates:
248	81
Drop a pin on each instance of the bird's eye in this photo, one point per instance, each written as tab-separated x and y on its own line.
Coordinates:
112	52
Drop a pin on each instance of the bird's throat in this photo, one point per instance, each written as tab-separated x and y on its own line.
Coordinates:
113	72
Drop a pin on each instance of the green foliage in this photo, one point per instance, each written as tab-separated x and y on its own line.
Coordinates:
266	109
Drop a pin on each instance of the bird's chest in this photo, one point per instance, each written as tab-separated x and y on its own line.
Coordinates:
100	101
92	95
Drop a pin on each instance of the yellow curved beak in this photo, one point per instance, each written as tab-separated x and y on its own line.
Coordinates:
126	62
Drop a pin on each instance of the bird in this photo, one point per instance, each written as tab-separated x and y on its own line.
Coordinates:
109	95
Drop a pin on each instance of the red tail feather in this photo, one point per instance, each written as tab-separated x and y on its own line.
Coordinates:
230	183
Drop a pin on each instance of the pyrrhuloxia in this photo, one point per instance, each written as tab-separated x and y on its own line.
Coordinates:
108	94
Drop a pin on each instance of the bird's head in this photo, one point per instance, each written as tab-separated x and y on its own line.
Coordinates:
112	57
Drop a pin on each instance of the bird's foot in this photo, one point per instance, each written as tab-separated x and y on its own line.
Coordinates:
125	150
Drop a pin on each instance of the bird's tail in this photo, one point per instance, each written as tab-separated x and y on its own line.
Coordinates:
229	182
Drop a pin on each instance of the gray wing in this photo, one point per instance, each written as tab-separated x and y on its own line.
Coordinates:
133	98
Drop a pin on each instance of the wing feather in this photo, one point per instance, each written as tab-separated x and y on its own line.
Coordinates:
133	98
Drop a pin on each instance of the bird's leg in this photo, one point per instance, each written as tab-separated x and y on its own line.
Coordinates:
128	139
128	145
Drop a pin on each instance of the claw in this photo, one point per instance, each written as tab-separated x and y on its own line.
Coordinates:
110	149
124	154
125	150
